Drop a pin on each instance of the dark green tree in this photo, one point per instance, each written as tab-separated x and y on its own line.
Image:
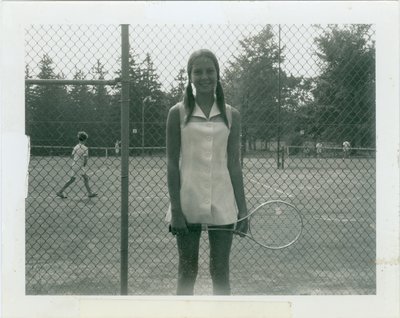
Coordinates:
80	99
100	94
29	103
100	109
345	91
176	92
153	105
49	104
251	81
296	101
148	103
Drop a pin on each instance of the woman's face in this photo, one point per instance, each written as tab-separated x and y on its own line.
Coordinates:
204	75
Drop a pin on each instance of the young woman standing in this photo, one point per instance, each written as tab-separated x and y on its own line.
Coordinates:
205	180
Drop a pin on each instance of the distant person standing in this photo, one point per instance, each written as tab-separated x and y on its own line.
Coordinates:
307	151
318	148
80	155
117	147
346	149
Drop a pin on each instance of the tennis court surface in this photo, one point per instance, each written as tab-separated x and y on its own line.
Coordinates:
73	244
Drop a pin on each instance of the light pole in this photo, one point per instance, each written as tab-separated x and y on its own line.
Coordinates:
146	100
279	155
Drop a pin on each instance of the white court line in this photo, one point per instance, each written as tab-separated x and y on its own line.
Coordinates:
268	187
151	197
99	197
53	196
166	197
336	220
92	171
103	197
325	218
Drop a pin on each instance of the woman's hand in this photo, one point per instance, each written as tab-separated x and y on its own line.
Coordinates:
178	224
242	227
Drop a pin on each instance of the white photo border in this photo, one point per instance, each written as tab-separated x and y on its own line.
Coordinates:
16	15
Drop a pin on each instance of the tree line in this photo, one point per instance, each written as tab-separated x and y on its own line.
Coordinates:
335	105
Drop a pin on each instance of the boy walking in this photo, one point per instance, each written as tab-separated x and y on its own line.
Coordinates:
80	156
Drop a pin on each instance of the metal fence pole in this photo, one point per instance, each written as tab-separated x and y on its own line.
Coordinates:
124	156
143	104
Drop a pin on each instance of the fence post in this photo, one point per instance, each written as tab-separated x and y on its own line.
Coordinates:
124	155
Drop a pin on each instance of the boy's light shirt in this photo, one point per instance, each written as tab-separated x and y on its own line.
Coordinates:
80	151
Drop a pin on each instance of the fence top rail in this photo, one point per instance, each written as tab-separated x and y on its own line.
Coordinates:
70	82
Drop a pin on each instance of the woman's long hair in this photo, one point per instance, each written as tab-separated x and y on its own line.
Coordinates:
188	97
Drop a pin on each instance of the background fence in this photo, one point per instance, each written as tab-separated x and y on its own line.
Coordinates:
294	85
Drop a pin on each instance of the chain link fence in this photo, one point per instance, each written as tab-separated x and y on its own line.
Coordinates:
296	86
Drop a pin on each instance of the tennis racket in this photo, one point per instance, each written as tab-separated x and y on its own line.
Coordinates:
274	225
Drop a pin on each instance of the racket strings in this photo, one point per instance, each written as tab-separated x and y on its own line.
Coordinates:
275	224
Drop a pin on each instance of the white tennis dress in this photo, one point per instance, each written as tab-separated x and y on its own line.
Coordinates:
206	192
79	152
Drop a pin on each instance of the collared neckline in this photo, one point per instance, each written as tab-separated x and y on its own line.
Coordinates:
213	112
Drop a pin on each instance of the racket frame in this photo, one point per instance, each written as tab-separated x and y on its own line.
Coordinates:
206	227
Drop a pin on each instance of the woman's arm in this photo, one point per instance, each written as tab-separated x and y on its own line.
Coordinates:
173	172
234	166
